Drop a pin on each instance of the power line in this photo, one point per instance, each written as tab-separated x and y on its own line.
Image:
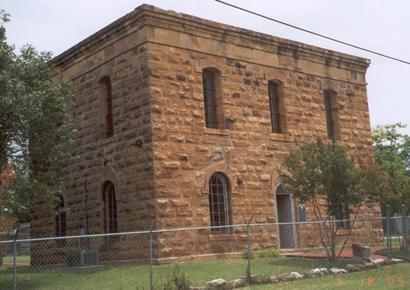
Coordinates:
314	33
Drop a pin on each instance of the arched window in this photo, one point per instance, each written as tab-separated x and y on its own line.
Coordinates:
110	208
219	202
275	89
61	227
214	115
106	106
332	114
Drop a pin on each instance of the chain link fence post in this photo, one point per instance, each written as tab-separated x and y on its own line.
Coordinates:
248	249
151	283
326	240
388	233
14	265
403	226
406	242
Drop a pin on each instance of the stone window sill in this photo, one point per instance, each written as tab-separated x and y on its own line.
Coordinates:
279	137
222	237
343	232
336	141
215	131
107	140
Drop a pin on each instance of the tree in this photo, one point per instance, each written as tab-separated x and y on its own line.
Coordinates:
6	179
324	176
392	153
35	127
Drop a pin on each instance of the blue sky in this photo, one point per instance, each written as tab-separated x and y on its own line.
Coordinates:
56	25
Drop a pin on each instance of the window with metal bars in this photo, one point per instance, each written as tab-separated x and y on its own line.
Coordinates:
212	98
274	90
332	114
110	208
106	102
60	219
342	215
219	203
302	212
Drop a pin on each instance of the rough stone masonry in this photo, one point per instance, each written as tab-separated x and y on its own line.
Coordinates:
161	156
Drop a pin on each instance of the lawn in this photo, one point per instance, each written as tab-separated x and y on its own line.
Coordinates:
397	253
388	277
137	276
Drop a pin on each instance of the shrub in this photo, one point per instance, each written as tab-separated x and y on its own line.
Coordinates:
268	253
247	254
176	281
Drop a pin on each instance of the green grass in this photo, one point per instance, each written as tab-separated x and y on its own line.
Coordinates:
20	261
388	277
396	253
137	276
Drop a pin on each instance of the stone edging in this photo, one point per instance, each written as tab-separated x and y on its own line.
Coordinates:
221	284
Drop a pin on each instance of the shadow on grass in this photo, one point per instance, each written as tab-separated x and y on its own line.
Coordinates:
309	262
96	277
396	253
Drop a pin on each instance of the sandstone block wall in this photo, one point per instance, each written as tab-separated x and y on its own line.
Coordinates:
125	158
161	155
186	153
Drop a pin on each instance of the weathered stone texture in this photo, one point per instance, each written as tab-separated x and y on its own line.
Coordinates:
126	158
248	152
161	155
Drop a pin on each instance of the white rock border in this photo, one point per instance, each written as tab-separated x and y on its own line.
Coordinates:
370	263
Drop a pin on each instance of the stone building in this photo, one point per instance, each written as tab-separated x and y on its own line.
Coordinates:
182	122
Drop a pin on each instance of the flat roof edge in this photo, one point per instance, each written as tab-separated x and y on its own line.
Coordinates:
149	10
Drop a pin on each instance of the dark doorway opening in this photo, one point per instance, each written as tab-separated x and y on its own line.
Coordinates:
285	215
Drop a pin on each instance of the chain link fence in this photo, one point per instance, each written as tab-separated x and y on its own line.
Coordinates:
397	231
153	259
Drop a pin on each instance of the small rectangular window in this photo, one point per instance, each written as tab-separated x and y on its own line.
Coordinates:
302	213
276	113
106	106
214	115
342	216
332	114
60	219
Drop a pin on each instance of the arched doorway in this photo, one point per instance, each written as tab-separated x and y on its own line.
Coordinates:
285	214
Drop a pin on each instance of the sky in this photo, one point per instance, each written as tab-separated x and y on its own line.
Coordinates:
57	25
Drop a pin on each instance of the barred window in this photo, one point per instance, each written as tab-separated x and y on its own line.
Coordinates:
219	203
332	114
60	219
302	212
106	106
110	208
214	117
276	106
342	216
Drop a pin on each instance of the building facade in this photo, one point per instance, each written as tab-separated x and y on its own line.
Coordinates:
183	122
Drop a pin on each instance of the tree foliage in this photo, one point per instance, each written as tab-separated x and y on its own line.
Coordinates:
324	176
6	179
392	153
35	126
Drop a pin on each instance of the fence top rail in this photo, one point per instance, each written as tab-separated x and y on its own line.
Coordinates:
148	232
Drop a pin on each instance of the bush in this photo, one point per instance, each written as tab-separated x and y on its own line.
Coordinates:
176	281
268	253
247	254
